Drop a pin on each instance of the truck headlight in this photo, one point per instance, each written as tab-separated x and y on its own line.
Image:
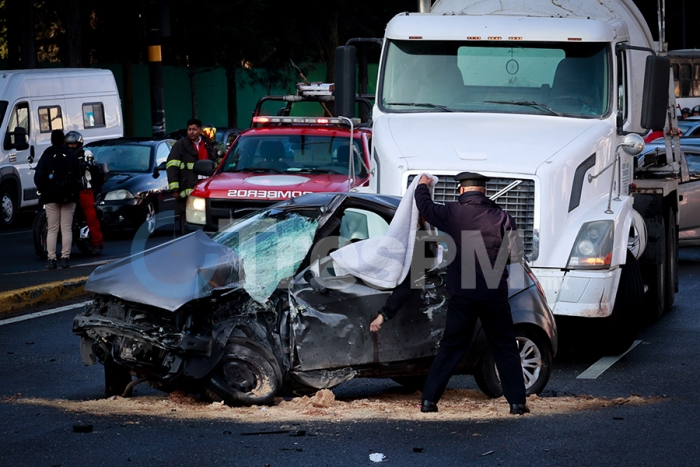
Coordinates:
196	210
118	194
593	246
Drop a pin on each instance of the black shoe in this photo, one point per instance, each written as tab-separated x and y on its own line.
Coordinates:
97	251
51	264
64	263
428	407
519	409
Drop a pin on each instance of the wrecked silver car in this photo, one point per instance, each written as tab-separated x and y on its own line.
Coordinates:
260	309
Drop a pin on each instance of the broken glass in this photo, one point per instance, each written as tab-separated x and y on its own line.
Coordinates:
271	245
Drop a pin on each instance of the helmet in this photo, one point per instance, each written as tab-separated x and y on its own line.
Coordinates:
685	110
696	108
209	131
74	137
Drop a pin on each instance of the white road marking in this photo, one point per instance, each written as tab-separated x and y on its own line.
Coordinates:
604	363
15	233
39	314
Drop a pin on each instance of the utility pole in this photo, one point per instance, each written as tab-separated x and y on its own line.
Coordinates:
155	69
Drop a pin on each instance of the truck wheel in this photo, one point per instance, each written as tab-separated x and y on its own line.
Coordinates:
535	358
39	232
247	375
8	205
671	264
621	327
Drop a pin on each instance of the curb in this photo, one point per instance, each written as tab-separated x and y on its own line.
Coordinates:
14	300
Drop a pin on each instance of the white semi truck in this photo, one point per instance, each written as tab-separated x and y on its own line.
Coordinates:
548	99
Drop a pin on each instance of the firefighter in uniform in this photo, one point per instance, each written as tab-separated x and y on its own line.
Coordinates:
181	177
475	223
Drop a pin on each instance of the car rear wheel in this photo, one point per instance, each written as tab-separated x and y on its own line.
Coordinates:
535	358
247	375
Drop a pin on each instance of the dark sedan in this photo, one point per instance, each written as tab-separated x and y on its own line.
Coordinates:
260	308
137	186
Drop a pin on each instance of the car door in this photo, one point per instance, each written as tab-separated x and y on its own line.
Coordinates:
333	310
689	190
18	151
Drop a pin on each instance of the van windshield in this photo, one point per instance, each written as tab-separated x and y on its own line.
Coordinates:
3	109
571	79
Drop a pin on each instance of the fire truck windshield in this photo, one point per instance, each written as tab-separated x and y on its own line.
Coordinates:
294	154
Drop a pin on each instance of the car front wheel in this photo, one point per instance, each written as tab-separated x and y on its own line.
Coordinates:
535	358
247	375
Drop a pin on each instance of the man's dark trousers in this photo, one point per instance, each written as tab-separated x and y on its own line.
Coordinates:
180	211
497	322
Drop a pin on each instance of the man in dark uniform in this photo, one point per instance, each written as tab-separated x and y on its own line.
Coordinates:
483	233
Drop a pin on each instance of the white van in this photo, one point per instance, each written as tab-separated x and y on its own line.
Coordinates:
35	102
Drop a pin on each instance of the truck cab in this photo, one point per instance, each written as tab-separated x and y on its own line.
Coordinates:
548	99
278	158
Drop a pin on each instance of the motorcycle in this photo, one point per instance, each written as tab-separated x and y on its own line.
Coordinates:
81	233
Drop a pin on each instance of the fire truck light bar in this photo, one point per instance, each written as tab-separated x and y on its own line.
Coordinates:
312	120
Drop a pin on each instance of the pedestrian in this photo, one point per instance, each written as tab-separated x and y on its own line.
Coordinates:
478	291
696	111
57	179
209	133
90	183
685	113
181	177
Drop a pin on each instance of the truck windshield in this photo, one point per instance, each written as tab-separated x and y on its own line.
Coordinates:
295	153
570	79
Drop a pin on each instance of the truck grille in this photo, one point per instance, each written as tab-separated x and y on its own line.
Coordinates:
519	202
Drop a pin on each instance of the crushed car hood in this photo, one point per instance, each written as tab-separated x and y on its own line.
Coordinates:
169	275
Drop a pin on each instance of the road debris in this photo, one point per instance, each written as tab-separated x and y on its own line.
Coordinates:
377	457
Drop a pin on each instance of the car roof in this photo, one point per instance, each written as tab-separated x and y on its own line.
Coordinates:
324	199
145	141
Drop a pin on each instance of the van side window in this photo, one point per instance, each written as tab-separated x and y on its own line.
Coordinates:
93	115
50	118
19	118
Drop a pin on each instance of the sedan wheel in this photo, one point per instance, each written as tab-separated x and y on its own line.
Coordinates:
150	216
8	205
535	358
247	375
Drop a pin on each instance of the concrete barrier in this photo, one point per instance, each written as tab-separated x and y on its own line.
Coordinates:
14	300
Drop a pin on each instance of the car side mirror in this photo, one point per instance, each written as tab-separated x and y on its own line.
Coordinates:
159	168
205	167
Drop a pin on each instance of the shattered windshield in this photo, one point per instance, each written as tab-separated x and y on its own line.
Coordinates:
271	245
570	79
295	154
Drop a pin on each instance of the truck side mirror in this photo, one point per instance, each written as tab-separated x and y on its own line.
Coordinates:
345	80
655	97
204	167
17	139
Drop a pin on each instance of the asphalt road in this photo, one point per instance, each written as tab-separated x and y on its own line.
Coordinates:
39	358
21	267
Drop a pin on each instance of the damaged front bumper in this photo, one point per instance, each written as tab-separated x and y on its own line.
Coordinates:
151	350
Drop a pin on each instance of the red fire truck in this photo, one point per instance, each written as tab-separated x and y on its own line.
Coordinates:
282	157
